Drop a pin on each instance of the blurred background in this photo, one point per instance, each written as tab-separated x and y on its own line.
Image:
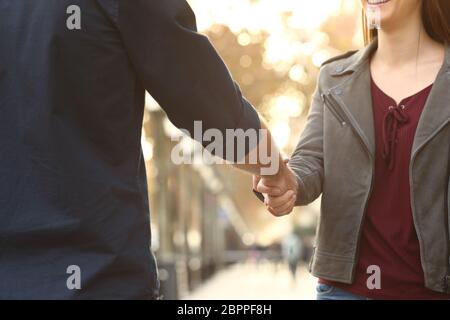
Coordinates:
212	237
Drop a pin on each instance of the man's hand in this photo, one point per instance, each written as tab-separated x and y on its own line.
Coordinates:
280	191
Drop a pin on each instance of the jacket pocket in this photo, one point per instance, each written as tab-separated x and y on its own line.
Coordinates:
335	109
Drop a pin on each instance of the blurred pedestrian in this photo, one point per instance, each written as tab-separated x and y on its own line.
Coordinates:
292	249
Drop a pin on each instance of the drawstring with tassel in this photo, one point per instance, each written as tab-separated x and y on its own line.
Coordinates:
394	118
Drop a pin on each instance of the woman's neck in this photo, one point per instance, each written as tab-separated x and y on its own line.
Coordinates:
407	59
405	44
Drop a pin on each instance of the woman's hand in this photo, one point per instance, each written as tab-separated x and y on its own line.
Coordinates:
280	191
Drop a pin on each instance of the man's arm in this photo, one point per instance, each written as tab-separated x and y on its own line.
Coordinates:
180	68
305	166
183	72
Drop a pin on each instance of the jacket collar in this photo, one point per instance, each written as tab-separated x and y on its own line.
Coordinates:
356	61
436	114
354	94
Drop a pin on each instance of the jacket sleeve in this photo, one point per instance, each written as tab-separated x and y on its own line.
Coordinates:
307	159
180	68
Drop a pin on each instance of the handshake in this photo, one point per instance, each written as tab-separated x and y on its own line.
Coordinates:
279	191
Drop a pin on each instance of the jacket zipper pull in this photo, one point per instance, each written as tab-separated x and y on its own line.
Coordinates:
327	99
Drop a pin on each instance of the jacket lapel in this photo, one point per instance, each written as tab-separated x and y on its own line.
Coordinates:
355	96
436	113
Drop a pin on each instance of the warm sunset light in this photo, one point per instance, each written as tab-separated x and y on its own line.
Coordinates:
292	33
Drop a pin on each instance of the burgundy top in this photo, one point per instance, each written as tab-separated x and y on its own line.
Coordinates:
389	238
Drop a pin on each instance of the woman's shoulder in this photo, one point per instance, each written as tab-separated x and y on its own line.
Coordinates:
331	69
340	57
337	68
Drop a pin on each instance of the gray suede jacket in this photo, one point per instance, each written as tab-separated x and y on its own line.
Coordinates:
335	158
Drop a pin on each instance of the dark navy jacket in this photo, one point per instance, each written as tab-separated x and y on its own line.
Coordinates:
72	176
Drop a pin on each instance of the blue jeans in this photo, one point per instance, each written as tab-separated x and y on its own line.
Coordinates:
327	292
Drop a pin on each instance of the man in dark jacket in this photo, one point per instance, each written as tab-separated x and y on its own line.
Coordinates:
73	195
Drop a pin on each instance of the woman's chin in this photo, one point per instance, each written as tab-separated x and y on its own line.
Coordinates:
377	4
383	9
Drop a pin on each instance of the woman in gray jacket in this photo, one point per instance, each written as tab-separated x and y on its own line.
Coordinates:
377	147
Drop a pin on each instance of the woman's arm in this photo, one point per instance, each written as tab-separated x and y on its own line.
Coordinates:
307	159
305	172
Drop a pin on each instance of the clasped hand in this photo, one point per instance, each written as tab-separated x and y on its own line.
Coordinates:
280	191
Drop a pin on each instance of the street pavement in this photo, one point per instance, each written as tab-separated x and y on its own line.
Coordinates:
252	281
